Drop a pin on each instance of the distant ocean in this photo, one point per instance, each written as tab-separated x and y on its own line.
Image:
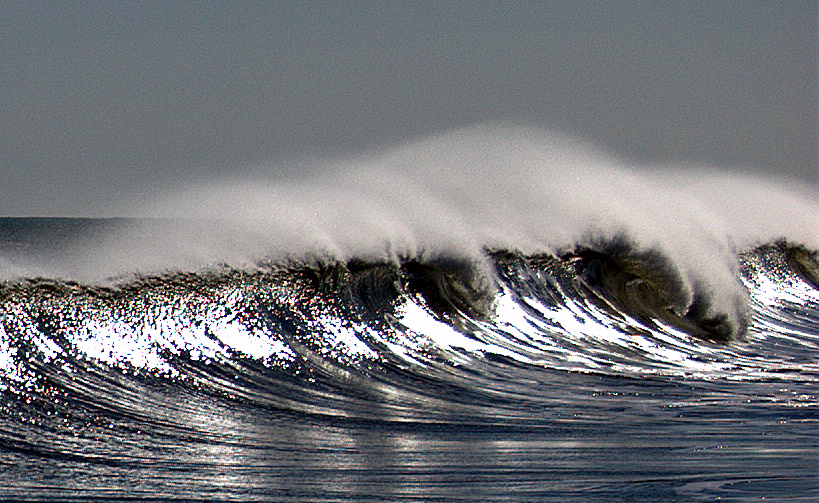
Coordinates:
490	315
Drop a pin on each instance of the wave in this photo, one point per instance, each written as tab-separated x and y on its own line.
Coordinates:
412	284
338	338
495	186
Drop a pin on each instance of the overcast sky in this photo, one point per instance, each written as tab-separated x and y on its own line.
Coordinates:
99	99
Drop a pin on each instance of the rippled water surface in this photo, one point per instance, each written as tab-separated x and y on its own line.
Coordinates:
571	378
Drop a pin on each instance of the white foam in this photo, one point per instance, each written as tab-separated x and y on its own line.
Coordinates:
493	186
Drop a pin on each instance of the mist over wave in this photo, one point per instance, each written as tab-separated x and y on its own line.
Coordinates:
491	187
495	186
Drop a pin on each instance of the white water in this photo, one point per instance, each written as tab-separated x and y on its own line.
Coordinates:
490	186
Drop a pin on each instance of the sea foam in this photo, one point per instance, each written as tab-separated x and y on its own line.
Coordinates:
457	194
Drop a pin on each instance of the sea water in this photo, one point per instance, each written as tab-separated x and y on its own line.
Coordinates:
491	315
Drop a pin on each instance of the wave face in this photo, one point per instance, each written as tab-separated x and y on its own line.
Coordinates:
395	334
459	345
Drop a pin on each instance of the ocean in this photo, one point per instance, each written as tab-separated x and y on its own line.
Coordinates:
494	314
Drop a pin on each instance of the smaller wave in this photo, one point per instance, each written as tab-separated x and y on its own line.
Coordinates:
647	285
803	261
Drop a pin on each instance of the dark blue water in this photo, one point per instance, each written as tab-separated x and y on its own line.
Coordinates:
573	378
610	440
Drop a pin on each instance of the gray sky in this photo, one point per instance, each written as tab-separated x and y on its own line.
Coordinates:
100	99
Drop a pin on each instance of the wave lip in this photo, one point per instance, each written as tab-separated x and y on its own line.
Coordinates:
803	261
647	286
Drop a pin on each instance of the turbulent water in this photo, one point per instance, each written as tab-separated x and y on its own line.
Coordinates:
435	352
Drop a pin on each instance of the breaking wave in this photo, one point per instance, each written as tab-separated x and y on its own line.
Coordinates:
427	283
307	338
